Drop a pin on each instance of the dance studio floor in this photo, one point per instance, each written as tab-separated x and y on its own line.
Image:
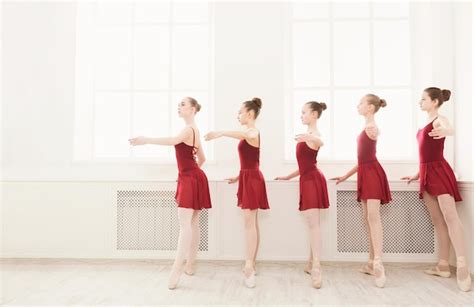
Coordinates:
134	282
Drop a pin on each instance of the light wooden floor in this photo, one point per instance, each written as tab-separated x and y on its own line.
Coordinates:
127	282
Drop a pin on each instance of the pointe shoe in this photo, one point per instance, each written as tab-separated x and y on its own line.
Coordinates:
190	268
250	279
379	274
463	284
437	272
366	269
174	277
307	268
316	277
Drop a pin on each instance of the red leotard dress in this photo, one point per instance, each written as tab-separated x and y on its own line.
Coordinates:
192	191
436	176
313	188
371	179
252	193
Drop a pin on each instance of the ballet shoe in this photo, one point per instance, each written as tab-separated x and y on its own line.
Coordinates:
436	271
190	268
316	277
307	268
249	278
174	277
366	269
379	274
463	283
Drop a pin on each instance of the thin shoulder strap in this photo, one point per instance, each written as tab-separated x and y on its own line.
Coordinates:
194	137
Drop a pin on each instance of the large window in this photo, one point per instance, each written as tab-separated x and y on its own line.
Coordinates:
341	51
135	61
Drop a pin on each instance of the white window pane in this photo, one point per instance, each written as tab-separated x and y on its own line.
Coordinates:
190	57
324	123
114	12
391	9
392	41
152	12
310	10
151	57
351	9
352	53
347	123
112	125
151	117
190	12
399	106
113	58
311	54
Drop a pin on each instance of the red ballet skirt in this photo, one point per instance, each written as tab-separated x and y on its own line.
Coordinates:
372	181
436	175
313	187
252	193
192	191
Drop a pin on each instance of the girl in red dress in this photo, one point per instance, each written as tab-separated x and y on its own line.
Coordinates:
438	187
372	185
313	188
192	193
252	194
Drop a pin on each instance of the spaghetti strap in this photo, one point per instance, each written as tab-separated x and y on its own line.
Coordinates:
195	149
194	137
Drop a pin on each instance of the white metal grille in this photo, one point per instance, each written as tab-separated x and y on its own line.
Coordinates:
148	220
406	224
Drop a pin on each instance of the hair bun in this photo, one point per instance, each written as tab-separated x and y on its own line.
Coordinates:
446	94
198	107
383	103
257	102
323	105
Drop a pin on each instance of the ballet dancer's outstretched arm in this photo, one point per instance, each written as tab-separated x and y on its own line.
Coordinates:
248	134
441	128
185	134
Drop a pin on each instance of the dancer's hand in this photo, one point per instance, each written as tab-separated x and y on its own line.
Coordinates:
232	180
212	135
140	140
303	137
410	178
339	179
282	178
439	133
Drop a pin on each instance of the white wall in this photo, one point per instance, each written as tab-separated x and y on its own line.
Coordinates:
463	89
